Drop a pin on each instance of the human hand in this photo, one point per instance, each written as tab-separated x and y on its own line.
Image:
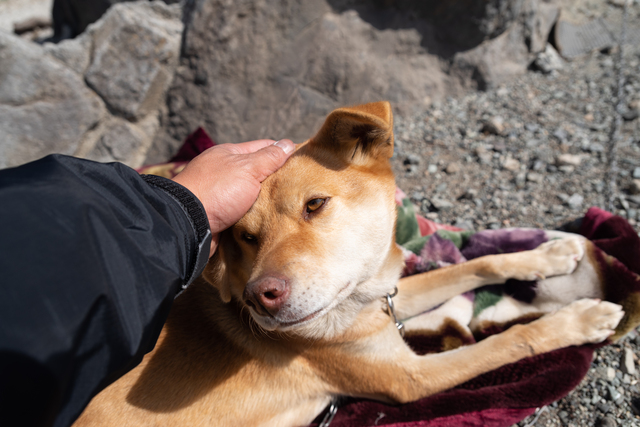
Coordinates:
226	179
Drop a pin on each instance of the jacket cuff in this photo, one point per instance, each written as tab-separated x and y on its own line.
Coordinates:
197	217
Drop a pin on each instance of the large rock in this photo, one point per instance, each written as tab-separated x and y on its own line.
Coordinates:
509	54
44	106
99	96
135	52
576	39
120	140
254	69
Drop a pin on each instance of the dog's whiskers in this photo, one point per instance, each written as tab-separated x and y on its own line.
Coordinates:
256	329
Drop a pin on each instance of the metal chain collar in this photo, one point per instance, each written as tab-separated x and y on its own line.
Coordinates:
392	311
333	409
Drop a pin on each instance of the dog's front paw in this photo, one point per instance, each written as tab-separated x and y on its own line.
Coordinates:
585	321
554	258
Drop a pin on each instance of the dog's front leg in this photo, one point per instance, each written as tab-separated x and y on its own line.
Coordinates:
398	375
422	292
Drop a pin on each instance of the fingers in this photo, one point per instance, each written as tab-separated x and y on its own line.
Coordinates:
287	146
270	158
251	146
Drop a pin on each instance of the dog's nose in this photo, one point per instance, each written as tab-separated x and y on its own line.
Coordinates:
266	295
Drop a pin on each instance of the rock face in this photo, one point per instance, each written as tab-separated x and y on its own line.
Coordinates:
134	58
510	53
255	69
44	106
130	88
99	96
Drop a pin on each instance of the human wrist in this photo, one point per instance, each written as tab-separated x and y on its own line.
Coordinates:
197	216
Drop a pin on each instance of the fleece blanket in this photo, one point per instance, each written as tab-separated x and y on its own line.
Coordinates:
610	270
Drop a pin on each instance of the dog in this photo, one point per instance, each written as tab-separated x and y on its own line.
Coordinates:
290	310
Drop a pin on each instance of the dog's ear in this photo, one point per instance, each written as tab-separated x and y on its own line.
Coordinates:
216	270
214	273
358	134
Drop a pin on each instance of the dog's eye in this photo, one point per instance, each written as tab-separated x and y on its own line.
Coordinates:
314	205
249	238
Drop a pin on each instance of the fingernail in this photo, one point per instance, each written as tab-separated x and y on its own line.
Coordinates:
286	145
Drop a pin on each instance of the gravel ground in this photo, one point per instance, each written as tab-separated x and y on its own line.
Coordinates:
535	153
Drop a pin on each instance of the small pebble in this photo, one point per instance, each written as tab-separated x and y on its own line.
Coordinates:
417	196
441	204
623	202
596	147
531	143
470	194
412	159
575	201
603	407
564	416
441	187
606	422
627	365
452	168
613	393
568	160
566	169
532	127
634	188
465	224
494	126
535	177
411	168
511	164
538	165
630	115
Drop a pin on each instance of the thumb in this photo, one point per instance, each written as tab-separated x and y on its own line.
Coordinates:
269	159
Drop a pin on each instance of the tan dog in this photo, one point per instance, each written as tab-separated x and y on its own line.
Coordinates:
293	311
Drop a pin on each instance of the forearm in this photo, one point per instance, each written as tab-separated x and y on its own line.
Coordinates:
92	257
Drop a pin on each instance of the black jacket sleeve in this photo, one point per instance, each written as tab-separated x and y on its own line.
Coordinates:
91	258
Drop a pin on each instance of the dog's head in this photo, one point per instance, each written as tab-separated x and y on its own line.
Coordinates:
318	244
